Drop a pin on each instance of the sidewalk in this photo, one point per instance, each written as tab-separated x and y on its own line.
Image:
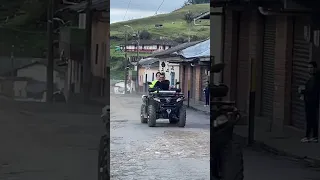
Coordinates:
198	107
286	143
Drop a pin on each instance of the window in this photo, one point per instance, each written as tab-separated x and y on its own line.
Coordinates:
97	53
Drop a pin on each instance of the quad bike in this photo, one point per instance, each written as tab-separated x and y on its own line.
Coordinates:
226	155
104	148
165	105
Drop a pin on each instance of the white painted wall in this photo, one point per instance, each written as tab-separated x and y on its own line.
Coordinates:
176	69
20	89
39	72
150	72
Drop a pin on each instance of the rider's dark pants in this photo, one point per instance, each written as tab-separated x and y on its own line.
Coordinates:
207	99
312	120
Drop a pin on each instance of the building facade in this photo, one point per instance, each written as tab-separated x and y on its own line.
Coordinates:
148	46
272	49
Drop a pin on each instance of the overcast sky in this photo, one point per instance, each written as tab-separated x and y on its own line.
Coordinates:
140	8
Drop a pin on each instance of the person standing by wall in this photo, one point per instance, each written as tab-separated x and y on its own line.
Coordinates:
310	94
206	92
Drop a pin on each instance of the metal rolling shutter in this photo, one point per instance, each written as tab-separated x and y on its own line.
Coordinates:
268	67
301	57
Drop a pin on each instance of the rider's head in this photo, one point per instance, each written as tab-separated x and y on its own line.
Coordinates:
158	76
162	77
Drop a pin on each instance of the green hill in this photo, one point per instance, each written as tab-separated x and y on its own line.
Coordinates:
174	27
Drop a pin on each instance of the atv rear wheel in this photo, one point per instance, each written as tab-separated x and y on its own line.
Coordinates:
232	162
103	172
142	113
182	116
152	116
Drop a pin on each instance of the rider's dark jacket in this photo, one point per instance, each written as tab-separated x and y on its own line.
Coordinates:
163	85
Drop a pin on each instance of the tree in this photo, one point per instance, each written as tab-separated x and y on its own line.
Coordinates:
145	35
188	17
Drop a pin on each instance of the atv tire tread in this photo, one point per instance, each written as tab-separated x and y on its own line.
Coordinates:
103	158
142	119
232	162
182	116
152	116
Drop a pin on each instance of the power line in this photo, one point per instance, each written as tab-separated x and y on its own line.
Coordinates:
159	7
127	10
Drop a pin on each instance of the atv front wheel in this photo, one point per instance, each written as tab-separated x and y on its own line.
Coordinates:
142	113
182	116
232	162
173	120
152	116
103	172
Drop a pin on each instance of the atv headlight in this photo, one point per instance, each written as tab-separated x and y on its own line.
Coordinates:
220	120
179	99
157	99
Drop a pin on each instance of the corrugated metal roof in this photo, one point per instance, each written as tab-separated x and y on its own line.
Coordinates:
98	5
148	61
174	50
196	51
205	15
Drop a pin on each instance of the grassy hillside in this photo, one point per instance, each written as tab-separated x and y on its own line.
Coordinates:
174	27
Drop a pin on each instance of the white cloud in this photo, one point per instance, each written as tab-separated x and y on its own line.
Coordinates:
117	14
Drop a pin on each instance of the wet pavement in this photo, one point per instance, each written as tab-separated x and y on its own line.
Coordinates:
50	145
165	152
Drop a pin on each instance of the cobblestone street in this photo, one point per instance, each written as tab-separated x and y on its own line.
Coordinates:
164	152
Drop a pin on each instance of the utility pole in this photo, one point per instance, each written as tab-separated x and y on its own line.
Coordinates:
125	63
12	69
50	10
87	59
138	45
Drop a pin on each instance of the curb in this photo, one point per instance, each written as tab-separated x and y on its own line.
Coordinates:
198	110
312	162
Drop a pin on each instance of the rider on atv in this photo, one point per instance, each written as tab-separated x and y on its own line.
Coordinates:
162	83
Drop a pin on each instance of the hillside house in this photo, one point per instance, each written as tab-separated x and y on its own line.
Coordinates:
148	46
29	81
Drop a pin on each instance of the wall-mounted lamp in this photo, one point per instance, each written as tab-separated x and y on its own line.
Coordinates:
307	33
316	37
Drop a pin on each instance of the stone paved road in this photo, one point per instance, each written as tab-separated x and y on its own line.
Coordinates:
51	145
165	152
